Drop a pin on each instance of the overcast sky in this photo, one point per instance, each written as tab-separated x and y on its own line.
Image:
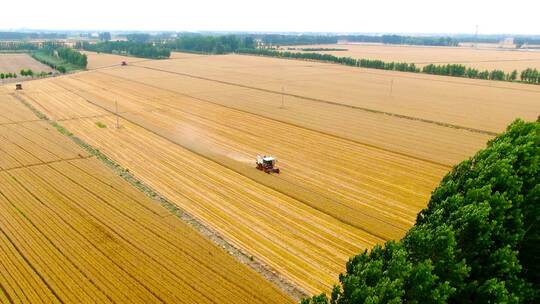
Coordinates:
397	16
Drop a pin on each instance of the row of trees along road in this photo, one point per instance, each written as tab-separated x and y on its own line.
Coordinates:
478	240
455	70
211	44
130	48
8	75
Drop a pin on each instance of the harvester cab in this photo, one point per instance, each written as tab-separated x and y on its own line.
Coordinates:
267	164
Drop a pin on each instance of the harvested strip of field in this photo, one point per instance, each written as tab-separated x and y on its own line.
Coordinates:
73	231
483	105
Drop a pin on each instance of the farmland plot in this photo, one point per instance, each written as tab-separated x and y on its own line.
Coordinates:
14	63
96	61
71	230
481	58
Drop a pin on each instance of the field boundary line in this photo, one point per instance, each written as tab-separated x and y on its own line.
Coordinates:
46	163
439	123
270	274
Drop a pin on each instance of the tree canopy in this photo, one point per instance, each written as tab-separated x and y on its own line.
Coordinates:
211	44
476	242
132	48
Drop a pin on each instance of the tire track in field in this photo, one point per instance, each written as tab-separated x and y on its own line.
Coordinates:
439	123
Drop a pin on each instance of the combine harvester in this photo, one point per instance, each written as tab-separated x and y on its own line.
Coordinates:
267	164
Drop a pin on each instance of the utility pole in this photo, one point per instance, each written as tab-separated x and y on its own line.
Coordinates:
116	105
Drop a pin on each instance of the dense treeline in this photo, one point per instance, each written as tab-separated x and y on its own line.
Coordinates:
8	75
61	59
17	46
530	76
331	39
398	39
104	36
211	44
139	37
276	39
30	73
317	49
456	70
26	36
29	46
366	63
476	242
72	56
130	48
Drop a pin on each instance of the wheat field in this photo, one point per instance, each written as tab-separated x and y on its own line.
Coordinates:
359	150
73	231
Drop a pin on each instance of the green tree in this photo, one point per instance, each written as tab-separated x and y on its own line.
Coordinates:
476	242
513	75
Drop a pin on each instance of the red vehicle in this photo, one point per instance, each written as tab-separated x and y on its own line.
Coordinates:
124	63
267	164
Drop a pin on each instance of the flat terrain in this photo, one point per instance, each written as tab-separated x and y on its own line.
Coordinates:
72	231
480	58
358	160
14	63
